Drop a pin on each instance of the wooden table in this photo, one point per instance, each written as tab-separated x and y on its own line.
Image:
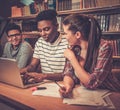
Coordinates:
24	96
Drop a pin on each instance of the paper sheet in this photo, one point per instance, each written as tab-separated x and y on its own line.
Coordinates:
83	96
52	90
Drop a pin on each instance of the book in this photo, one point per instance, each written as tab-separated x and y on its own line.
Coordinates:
15	11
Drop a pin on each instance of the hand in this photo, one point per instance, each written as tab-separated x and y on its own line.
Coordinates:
37	76
65	92
23	71
69	54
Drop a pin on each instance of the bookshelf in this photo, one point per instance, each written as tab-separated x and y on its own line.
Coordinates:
24	15
116	57
27	19
32	16
107	12
95	10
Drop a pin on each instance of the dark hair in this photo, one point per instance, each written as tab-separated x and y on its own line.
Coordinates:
91	32
49	14
13	26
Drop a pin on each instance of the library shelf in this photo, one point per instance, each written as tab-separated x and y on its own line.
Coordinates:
102	14
116	57
116	71
32	16
31	33
93	10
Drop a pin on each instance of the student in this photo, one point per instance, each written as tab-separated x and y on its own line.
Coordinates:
89	57
49	49
16	48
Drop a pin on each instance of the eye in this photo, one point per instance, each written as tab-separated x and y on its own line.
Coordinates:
17	35
46	29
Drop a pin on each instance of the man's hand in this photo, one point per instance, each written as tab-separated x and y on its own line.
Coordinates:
37	76
23	70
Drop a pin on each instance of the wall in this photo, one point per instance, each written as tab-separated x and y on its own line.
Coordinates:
5	8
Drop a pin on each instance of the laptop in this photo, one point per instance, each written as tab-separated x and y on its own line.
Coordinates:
10	74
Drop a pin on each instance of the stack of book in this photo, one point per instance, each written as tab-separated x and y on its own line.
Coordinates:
33	8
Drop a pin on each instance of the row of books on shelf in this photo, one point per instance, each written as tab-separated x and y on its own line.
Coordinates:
81	4
108	23
27	25
33	8
116	47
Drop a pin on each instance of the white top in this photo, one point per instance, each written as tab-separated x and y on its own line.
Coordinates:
51	55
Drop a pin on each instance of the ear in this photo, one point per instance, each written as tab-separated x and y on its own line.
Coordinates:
9	39
78	35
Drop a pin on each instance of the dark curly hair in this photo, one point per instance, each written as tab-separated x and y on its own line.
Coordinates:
49	14
13	26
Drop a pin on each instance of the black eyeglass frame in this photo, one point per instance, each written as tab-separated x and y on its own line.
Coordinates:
14	35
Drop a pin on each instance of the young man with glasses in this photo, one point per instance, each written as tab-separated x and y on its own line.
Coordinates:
16	48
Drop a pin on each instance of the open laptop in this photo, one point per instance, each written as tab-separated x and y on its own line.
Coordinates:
10	74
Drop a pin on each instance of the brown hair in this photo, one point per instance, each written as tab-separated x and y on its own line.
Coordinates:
91	32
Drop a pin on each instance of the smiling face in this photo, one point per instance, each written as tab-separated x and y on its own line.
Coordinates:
47	30
72	38
15	37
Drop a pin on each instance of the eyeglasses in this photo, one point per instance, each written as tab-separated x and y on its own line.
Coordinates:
14	35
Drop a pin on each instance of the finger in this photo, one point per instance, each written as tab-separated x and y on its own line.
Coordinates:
70	47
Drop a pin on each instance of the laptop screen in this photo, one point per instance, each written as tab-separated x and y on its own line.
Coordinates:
10	74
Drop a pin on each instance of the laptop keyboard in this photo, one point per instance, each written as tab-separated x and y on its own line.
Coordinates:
28	79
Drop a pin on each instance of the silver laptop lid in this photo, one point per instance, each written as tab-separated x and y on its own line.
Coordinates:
9	72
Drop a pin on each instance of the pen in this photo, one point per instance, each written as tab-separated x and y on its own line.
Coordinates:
58	84
41	88
38	88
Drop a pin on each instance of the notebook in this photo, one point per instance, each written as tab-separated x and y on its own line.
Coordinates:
10	74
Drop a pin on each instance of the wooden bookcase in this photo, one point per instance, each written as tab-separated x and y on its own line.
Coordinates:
103	10
106	12
24	15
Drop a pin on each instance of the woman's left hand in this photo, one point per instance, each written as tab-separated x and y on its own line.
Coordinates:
65	92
